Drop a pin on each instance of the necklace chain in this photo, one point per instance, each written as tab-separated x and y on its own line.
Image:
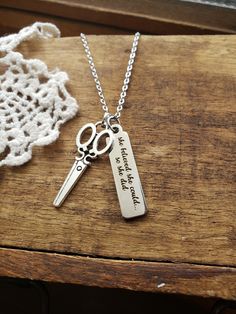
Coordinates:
126	80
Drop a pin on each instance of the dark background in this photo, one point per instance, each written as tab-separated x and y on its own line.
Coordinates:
31	297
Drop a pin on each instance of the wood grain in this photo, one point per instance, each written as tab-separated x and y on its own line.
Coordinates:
186	279
13	20
151	17
180	114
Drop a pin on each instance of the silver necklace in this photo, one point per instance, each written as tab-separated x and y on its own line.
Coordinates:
126	80
125	172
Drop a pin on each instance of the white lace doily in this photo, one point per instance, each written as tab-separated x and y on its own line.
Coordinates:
33	101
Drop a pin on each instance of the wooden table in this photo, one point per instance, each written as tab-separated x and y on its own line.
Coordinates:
121	16
180	114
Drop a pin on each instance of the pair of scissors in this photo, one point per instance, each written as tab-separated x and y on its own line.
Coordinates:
88	151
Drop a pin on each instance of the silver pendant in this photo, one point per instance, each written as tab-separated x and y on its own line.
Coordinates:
125	172
88	151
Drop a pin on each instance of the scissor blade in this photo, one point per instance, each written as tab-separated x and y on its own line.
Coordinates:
75	173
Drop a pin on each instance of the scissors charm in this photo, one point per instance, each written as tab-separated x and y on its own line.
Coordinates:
88	151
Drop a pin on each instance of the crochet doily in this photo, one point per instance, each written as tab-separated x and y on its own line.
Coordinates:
33	101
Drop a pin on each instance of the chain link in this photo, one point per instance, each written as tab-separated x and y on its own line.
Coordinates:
126	80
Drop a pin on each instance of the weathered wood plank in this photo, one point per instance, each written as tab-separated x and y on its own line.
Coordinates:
13	20
151	17
180	114
186	279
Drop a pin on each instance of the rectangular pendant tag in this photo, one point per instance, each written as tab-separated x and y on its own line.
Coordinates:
125	172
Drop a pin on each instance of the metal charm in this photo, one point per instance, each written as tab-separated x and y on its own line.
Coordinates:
125	172
88	151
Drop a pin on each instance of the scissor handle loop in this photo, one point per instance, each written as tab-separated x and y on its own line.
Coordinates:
110	135
87	126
